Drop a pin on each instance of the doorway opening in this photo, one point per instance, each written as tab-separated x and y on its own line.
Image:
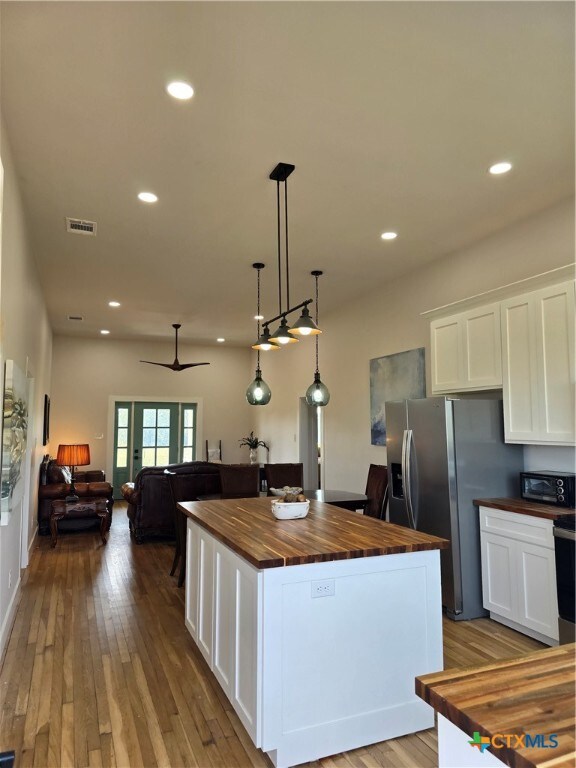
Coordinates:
311	447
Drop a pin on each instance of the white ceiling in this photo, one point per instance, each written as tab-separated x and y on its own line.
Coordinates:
391	112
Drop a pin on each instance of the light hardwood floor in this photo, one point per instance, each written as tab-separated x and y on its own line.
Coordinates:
100	670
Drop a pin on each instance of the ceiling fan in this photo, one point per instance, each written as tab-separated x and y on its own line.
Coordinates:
176	365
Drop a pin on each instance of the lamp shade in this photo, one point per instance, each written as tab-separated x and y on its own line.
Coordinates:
305	326
282	335
73	455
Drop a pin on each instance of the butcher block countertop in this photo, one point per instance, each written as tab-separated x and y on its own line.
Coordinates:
532	694
248	527
523	507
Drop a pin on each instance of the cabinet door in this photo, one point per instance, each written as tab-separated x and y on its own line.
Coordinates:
205	624
482	348
538	366
446	340
554	309
499	575
519	379
537	600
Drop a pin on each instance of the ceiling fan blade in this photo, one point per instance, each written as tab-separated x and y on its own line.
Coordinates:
164	365
189	365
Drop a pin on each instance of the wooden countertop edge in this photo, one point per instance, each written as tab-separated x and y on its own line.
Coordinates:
523	507
278	561
425	689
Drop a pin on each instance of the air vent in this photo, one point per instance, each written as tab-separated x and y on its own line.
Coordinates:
76	318
81	227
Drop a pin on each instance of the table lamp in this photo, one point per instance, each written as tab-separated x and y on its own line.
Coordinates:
73	456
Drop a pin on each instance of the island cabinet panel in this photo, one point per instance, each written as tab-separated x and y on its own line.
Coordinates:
519	572
316	657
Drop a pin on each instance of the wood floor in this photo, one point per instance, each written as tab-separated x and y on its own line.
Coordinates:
100	670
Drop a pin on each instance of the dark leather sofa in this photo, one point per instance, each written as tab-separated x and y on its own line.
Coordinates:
55	484
150	506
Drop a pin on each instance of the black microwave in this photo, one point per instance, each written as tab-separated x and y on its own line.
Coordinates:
548	487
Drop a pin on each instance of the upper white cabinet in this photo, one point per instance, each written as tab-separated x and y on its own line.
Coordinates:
538	366
466	351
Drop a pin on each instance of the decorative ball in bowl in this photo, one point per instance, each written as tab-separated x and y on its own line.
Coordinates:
290	510
286	489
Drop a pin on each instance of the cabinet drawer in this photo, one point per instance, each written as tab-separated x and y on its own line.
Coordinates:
532	530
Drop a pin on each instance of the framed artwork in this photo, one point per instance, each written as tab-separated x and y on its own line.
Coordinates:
46	427
14	434
401	376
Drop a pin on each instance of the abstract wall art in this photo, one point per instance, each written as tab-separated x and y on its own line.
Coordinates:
14	434
394	377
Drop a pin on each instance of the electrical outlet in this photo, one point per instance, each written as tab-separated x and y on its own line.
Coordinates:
324	588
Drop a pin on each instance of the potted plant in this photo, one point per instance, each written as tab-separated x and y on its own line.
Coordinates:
253	443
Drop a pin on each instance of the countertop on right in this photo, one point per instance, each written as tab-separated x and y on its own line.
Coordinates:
523	507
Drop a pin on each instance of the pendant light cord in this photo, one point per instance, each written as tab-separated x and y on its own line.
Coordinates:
279	253
258	314
286	243
316	338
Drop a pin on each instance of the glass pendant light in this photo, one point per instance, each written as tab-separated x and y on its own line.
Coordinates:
258	393
317	393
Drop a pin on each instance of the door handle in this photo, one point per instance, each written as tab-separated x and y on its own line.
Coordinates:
407	475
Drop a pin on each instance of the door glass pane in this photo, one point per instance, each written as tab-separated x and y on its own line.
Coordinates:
122	438
149	417
122	417
163	417
163	437
187	437
187	454
163	456
148	457
121	458
148	436
188	417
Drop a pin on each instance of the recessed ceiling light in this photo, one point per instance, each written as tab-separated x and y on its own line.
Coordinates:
147	197
113	303
104	332
258	317
499	168
389	235
180	90
220	340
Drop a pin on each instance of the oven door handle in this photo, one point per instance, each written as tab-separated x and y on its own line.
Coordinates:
563	533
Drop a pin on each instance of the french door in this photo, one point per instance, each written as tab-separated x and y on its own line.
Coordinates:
148	434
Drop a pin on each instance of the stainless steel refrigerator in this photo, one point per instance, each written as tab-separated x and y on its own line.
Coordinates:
442	454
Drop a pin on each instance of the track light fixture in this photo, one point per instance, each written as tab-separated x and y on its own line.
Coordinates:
304	326
258	393
317	393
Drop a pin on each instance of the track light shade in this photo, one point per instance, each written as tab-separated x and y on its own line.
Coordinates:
305	326
265	343
282	335
258	393
317	393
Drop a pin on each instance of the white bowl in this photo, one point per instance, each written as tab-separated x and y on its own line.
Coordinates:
286	489
290	510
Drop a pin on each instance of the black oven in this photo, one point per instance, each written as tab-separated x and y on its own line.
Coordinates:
564	539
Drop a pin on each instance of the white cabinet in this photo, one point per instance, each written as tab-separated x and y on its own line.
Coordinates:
466	351
538	366
518	572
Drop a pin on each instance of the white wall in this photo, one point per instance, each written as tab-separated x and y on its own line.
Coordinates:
86	372
388	321
25	338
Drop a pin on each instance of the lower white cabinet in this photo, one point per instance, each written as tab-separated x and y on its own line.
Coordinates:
519	572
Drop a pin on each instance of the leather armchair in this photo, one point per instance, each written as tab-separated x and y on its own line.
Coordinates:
150	505
55	484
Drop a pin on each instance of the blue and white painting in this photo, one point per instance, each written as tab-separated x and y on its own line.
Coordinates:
14	432
395	377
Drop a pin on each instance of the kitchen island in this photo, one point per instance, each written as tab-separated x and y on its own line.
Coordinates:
315	628
521	709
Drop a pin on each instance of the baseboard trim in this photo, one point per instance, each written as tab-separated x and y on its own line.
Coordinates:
8	623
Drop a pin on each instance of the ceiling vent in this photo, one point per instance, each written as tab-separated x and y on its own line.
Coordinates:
81	227
75	318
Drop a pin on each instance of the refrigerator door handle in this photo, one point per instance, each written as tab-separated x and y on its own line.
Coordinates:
407	474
